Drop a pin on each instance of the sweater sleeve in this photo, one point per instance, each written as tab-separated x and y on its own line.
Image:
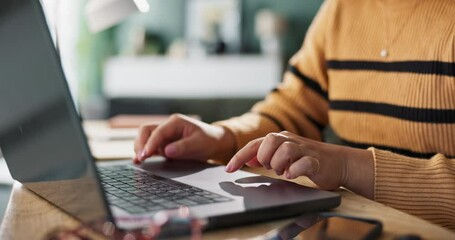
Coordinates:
422	187
300	103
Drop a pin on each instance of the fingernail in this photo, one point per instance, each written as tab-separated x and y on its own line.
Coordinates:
288	175
171	150
228	168
143	154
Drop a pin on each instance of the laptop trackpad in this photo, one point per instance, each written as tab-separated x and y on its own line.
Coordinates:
253	190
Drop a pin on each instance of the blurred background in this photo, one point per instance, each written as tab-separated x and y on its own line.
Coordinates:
211	58
204	57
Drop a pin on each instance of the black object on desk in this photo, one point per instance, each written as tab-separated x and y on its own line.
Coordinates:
326	226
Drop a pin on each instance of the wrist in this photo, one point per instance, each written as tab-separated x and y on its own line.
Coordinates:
226	145
359	172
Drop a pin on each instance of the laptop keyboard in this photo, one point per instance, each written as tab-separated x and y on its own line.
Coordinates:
137	191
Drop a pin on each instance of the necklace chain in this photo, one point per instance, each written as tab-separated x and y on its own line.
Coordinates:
385	18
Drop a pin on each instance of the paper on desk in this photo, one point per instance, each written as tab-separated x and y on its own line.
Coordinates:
109	150
5	176
100	131
107	143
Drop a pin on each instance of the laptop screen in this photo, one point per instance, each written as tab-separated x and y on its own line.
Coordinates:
40	132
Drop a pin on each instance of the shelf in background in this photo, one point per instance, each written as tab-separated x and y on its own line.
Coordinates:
206	77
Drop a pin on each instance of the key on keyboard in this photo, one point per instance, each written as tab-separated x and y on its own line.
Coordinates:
137	191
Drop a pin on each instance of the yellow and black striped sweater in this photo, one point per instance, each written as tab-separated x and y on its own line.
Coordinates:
400	104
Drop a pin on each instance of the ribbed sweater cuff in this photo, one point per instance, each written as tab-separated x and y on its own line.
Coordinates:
423	187
394	172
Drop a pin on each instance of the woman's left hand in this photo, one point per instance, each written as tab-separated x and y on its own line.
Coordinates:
328	166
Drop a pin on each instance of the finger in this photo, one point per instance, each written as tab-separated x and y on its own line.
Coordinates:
305	166
161	136
185	148
284	156
271	143
244	155
142	137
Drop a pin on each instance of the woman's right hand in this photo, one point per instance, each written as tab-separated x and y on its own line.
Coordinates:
182	137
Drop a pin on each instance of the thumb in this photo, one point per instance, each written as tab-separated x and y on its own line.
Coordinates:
189	147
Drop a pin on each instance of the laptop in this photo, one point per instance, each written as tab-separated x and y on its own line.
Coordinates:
46	150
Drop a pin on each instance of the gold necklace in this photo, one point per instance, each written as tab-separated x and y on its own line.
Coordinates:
390	41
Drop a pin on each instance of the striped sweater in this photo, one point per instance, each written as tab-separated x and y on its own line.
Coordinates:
398	103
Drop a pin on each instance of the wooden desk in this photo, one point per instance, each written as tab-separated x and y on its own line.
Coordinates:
30	217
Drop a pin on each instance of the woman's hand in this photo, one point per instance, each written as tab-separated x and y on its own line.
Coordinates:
182	137
328	166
